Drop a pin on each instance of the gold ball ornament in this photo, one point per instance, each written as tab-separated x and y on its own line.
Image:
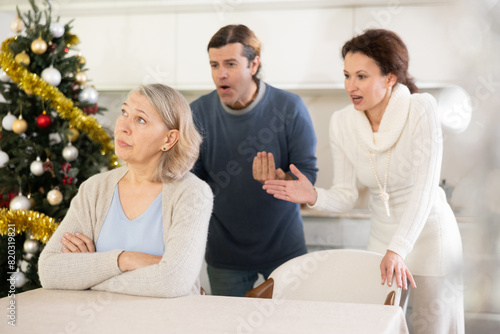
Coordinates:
81	60
73	134
17	25
22	58
81	78
39	46
19	126
32	201
54	197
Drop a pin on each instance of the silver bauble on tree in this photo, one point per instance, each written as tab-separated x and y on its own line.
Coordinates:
88	95
36	167
31	246
52	76
56	29
19	279
4	158
20	202
70	153
8	121
17	25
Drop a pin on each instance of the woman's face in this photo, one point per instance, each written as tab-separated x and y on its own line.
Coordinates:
368	89
140	134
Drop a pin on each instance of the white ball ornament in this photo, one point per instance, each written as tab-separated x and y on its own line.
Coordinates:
70	153
23	264
52	76
54	197
56	29
88	95
8	121
20	202
17	25
36	167
4	159
4	77
19	279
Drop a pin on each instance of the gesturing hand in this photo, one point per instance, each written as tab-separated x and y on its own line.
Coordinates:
393	265
264	168
296	191
77	243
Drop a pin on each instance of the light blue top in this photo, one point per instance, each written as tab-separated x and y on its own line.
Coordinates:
143	234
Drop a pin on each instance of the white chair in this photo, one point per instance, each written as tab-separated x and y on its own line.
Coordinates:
349	276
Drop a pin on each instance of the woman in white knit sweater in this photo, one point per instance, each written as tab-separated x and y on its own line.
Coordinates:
139	229
390	140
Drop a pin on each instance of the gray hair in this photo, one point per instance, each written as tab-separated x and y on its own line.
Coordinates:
175	112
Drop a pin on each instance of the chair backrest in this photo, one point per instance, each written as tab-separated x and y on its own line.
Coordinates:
350	276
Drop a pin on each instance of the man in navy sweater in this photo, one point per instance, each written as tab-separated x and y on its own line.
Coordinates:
252	132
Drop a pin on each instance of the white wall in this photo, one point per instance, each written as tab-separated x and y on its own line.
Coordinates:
450	42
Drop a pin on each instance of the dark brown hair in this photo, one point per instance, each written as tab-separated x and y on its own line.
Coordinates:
238	34
387	49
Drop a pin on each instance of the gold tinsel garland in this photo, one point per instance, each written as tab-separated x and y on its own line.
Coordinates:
40	226
64	106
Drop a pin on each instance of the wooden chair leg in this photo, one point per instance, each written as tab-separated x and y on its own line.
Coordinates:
265	290
391	297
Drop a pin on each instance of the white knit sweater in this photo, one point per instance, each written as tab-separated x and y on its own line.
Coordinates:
422	227
186	208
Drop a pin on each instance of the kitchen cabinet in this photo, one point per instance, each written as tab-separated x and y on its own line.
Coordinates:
300	48
166	41
436	39
123	51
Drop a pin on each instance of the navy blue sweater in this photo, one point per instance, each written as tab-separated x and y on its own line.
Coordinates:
250	229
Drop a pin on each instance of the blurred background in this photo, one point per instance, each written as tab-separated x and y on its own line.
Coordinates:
454	47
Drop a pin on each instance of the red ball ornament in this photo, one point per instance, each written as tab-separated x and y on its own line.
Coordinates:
43	121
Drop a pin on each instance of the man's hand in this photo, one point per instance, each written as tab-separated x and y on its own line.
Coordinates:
264	168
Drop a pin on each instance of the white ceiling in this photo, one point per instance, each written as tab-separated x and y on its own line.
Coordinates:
119	6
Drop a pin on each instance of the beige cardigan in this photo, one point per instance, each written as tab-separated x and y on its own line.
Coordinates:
186	206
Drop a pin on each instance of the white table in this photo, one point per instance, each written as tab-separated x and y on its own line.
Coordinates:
58	311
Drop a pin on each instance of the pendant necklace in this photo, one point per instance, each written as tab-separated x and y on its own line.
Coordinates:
384	196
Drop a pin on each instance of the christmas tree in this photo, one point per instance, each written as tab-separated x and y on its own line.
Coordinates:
50	142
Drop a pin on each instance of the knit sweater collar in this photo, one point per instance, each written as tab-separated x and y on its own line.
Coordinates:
260	94
391	126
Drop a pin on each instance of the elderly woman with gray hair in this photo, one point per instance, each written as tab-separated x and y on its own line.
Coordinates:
140	229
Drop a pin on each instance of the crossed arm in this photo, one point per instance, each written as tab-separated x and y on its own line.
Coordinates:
127	261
